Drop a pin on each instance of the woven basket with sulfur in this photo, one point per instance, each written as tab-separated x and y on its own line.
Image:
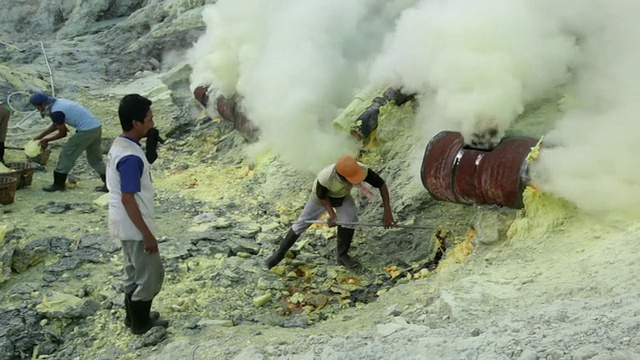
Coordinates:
8	187
25	171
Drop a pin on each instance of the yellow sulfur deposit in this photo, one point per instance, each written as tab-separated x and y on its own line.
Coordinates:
542	212
460	252
535	152
71	182
32	148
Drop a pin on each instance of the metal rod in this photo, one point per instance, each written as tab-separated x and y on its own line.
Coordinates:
368	224
46	61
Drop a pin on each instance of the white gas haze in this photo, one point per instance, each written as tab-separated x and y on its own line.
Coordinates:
296	64
595	160
474	64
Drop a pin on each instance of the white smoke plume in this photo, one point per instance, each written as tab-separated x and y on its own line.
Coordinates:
296	64
593	156
476	64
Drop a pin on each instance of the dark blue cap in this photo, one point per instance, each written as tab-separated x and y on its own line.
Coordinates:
39	98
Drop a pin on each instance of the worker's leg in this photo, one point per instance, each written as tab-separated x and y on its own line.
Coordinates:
94	151
312	211
347	213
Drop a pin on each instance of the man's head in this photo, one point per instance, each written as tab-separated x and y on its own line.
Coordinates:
40	100
347	167
136	116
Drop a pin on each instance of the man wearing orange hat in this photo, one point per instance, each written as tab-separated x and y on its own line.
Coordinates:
332	189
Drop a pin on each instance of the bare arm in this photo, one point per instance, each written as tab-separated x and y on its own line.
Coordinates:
133	211
46	132
387	217
332	214
62	132
323	195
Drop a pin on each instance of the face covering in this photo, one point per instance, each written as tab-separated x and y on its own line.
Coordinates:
153	138
46	112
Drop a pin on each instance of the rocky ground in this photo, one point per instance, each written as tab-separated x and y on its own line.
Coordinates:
475	283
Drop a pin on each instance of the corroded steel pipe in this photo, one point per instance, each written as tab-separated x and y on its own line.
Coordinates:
454	172
229	109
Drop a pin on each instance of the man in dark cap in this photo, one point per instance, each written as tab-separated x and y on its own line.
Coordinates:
332	189
87	138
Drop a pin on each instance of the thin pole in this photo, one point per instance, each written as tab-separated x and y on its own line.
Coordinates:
368	224
44	52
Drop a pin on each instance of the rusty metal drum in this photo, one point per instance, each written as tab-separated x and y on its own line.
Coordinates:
226	107
200	94
229	109
454	172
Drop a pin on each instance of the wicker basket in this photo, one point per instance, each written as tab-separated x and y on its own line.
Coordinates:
25	171
8	187
42	158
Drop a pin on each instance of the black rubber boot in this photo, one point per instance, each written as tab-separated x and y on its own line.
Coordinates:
285	245
102	188
345	236
2	152
58	182
141	321
154	315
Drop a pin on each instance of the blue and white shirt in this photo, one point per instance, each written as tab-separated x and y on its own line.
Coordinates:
128	171
64	111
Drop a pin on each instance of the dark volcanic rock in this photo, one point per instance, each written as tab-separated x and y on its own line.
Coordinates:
20	332
98	241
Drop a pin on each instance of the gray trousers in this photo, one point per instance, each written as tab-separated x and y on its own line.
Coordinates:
313	209
143	273
89	141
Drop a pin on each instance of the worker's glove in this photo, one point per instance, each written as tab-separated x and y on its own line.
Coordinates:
153	138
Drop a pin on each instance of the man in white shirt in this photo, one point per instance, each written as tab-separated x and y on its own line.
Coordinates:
131	214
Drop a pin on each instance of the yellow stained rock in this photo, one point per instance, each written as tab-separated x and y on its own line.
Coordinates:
393	271
296	298
423	273
350	280
58	302
259	301
319	301
102	201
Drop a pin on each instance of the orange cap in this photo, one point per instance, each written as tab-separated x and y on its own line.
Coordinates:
348	167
